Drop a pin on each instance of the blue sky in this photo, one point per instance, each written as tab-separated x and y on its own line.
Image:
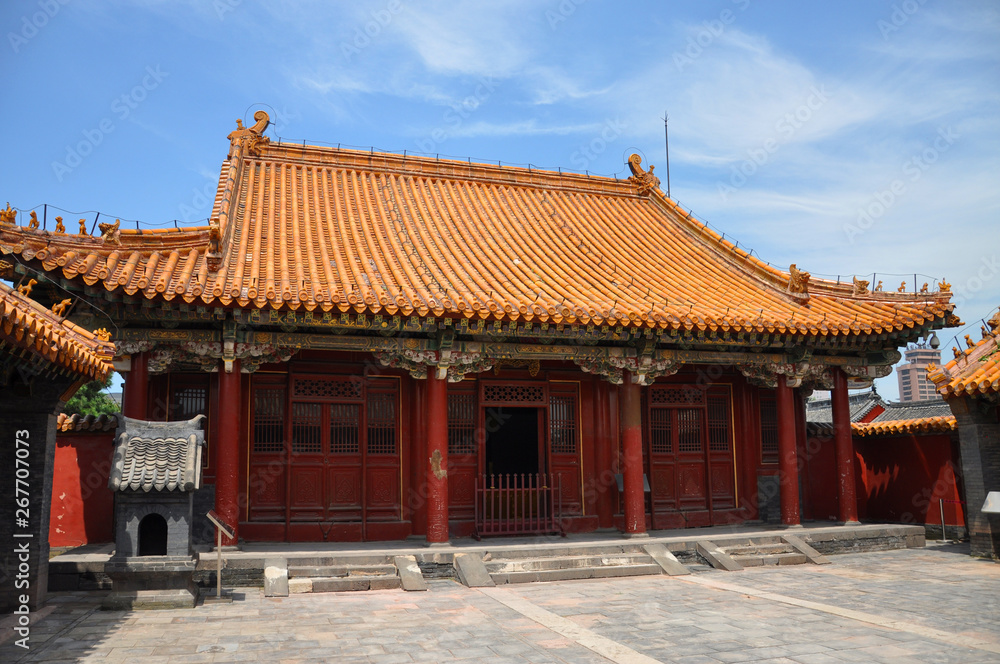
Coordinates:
848	138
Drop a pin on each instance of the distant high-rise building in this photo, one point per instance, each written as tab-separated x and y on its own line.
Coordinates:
913	383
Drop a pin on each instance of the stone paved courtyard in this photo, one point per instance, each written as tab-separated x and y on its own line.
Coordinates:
913	605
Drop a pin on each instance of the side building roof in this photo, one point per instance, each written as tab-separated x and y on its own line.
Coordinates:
973	372
43	340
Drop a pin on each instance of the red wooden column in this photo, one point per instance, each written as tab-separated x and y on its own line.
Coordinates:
437	458
631	417
227	455
788	462
847	511
136	390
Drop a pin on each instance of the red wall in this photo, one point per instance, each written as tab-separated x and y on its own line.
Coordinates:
904	476
82	504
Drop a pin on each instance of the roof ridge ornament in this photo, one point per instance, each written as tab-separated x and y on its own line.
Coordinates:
860	287
214	253
250	138
644	180
8	216
111	233
798	283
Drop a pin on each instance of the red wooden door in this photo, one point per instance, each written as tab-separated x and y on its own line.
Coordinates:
381	452
266	483
463	460
325	451
690	455
564	444
722	466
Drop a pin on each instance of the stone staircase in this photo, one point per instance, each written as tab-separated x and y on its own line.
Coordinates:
752	554
343	574
508	566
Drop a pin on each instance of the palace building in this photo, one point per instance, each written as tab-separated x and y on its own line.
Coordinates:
389	346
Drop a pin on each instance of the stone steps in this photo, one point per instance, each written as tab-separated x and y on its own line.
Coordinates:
346	575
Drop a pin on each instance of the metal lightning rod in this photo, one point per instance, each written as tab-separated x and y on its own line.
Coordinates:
666	139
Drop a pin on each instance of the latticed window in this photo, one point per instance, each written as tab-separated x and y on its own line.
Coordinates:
188	401
562	423
689	430
307	428
517	393
381	423
768	429
327	388
719	423
269	420
461	423
660	430
345	424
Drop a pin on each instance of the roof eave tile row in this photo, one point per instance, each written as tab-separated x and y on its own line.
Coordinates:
922	425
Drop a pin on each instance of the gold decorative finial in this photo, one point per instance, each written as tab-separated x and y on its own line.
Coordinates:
8	216
252	138
968	341
878	288
33	221
923	289
798	281
644	180
994	322
902	288
860	287
25	289
956	352
60	228
103	334
60	308
111	233
944	286
983	331
83	227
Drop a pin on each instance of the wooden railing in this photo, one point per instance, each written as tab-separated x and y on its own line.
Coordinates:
518	504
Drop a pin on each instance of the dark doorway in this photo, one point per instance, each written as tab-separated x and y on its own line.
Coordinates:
512	441
153	535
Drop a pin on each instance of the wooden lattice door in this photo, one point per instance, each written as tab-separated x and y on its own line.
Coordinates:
690	454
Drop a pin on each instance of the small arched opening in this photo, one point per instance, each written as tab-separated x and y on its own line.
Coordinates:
153	535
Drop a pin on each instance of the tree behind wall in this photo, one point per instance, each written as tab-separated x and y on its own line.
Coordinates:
92	400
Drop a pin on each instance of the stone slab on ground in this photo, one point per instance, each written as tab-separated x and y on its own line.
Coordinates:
409	573
716	557
811	554
471	571
276	577
666	560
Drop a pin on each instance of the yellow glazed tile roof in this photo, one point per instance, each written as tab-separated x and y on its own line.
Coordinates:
312	228
939	424
26	325
975	371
